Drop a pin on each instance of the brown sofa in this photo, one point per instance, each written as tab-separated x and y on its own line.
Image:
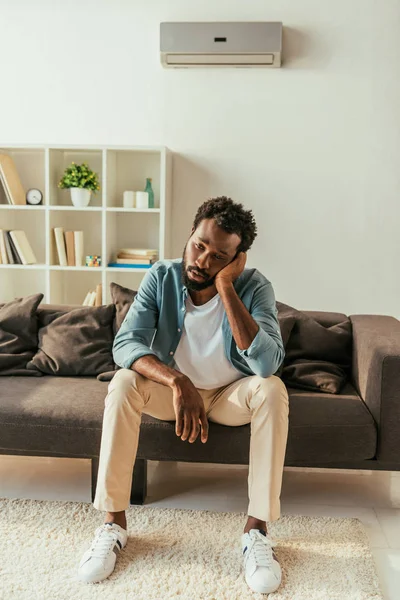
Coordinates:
357	429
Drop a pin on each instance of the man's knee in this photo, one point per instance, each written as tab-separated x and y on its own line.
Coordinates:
272	390
123	382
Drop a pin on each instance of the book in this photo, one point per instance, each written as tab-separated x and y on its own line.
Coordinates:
99	295
10	178
3	250
17	258
23	247
11	260
135	258
78	244
145	252
70	247
86	300
92	299
134	261
60	243
3	183
114	264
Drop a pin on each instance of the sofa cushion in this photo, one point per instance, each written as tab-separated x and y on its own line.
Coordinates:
75	342
317	357
45	415
122	297
18	335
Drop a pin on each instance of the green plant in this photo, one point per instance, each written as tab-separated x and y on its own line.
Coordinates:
80	176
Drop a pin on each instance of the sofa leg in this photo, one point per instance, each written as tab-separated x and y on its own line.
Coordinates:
95	468
139	482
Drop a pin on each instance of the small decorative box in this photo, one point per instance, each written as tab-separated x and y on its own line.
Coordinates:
93	261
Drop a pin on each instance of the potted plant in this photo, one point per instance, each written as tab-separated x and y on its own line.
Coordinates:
82	181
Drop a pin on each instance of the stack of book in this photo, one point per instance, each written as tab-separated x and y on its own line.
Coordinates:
93	298
9	178
137	258
69	247
15	248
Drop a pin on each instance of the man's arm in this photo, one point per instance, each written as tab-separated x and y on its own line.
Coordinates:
151	367
136	333
257	335
131	350
243	326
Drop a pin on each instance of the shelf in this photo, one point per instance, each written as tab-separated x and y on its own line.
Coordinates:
128	170
134	210
23	206
33	267
130	280
60	159
31	167
69	268
107	226
17	282
71	286
77	208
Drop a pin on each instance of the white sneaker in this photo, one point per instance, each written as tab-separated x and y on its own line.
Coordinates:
99	560
262	571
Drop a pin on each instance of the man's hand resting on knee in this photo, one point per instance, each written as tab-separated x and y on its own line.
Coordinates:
189	411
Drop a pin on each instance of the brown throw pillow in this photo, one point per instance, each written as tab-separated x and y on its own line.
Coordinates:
318	358
122	297
18	335
314	375
286	324
77	342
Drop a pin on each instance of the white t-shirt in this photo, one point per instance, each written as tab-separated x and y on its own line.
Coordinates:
200	353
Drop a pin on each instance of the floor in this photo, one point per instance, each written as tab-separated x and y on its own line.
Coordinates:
373	497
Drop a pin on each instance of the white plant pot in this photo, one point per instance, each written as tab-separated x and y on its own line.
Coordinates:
80	197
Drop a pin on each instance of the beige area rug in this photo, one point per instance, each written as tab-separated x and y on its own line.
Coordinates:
181	554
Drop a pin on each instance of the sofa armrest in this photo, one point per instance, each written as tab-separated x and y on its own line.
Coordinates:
376	377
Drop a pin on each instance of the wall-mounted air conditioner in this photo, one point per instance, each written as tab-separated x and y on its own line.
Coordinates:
249	44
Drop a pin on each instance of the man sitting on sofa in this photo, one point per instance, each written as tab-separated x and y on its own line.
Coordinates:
179	363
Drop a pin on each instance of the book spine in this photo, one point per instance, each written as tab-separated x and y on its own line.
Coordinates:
86	300
10	256
99	295
78	239
13	182
5	186
17	258
23	247
70	246
92	299
60	243
3	249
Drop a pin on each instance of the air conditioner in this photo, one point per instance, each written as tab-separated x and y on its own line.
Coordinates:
248	44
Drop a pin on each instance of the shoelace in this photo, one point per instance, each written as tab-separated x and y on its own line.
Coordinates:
104	540
261	549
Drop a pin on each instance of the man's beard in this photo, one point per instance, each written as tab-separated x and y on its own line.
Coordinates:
191	284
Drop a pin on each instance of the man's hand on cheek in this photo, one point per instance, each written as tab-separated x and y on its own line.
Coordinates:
232	271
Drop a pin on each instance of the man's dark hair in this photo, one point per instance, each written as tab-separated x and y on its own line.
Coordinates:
231	217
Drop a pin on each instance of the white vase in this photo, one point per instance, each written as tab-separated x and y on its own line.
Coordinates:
80	197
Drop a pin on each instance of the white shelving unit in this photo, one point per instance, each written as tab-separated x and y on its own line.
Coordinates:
107	226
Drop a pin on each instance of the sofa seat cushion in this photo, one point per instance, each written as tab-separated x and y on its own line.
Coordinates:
322	428
57	415
64	416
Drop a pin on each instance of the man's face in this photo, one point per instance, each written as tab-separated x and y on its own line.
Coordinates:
208	250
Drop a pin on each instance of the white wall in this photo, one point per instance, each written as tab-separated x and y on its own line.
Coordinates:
312	148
